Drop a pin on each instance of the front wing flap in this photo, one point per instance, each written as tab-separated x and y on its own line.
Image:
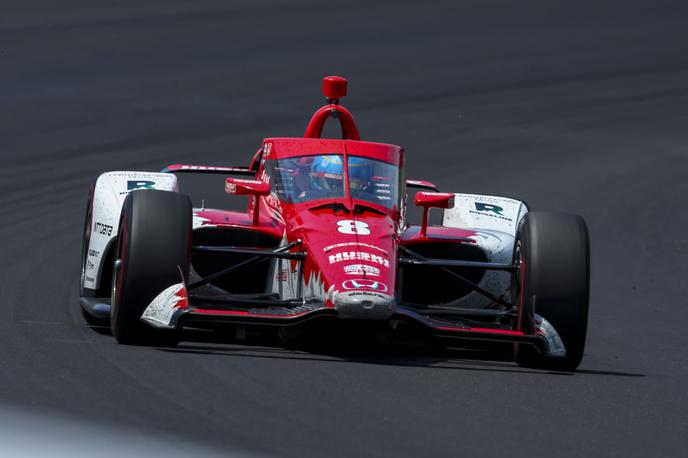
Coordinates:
173	308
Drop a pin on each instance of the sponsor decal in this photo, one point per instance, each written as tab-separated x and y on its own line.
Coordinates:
140	184
273	207
246	180
358	256
361	269
483	207
133	185
349	226
231	186
90	265
132	175
491	210
90	279
211	167
358	244
365	284
103	229
95	253
367	294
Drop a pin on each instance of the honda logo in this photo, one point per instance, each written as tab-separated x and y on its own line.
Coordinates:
365	284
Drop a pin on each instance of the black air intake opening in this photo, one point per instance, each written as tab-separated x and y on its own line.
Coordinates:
247	280
434	285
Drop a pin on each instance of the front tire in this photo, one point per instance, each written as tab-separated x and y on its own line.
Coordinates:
553	250
153	253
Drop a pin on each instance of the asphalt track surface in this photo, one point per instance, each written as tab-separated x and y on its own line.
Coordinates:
574	106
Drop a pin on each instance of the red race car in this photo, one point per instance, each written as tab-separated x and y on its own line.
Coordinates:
325	239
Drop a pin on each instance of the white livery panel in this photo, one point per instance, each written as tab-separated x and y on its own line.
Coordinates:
493	213
110	191
495	221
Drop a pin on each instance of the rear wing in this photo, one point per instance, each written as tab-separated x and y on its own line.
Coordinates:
188	168
205	185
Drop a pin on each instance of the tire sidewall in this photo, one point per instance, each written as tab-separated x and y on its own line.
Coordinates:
555	252
153	253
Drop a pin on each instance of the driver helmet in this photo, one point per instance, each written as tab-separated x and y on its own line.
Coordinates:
327	173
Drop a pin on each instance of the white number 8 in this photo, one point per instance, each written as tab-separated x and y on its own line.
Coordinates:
349	226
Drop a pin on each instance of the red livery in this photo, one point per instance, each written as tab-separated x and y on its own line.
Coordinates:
326	237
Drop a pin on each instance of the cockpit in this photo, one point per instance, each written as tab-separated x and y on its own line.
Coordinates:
305	178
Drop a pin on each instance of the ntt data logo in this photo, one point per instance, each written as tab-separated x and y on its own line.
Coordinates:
365	284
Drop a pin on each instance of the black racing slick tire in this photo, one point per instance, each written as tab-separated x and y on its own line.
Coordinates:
153	253
553	250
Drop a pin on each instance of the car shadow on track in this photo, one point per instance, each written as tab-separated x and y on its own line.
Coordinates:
491	358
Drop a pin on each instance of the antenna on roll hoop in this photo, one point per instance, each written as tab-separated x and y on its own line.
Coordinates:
334	88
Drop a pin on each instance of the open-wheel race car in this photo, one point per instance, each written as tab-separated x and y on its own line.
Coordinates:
325	239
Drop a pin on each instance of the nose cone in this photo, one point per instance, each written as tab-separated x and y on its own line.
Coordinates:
355	263
364	299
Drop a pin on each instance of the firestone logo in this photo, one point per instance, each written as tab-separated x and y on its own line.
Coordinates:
365	284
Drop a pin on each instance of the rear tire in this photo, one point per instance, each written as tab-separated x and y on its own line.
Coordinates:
153	253
554	252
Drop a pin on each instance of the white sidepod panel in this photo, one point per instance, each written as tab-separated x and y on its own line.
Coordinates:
110	191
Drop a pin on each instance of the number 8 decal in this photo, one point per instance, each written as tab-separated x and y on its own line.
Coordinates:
349	226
